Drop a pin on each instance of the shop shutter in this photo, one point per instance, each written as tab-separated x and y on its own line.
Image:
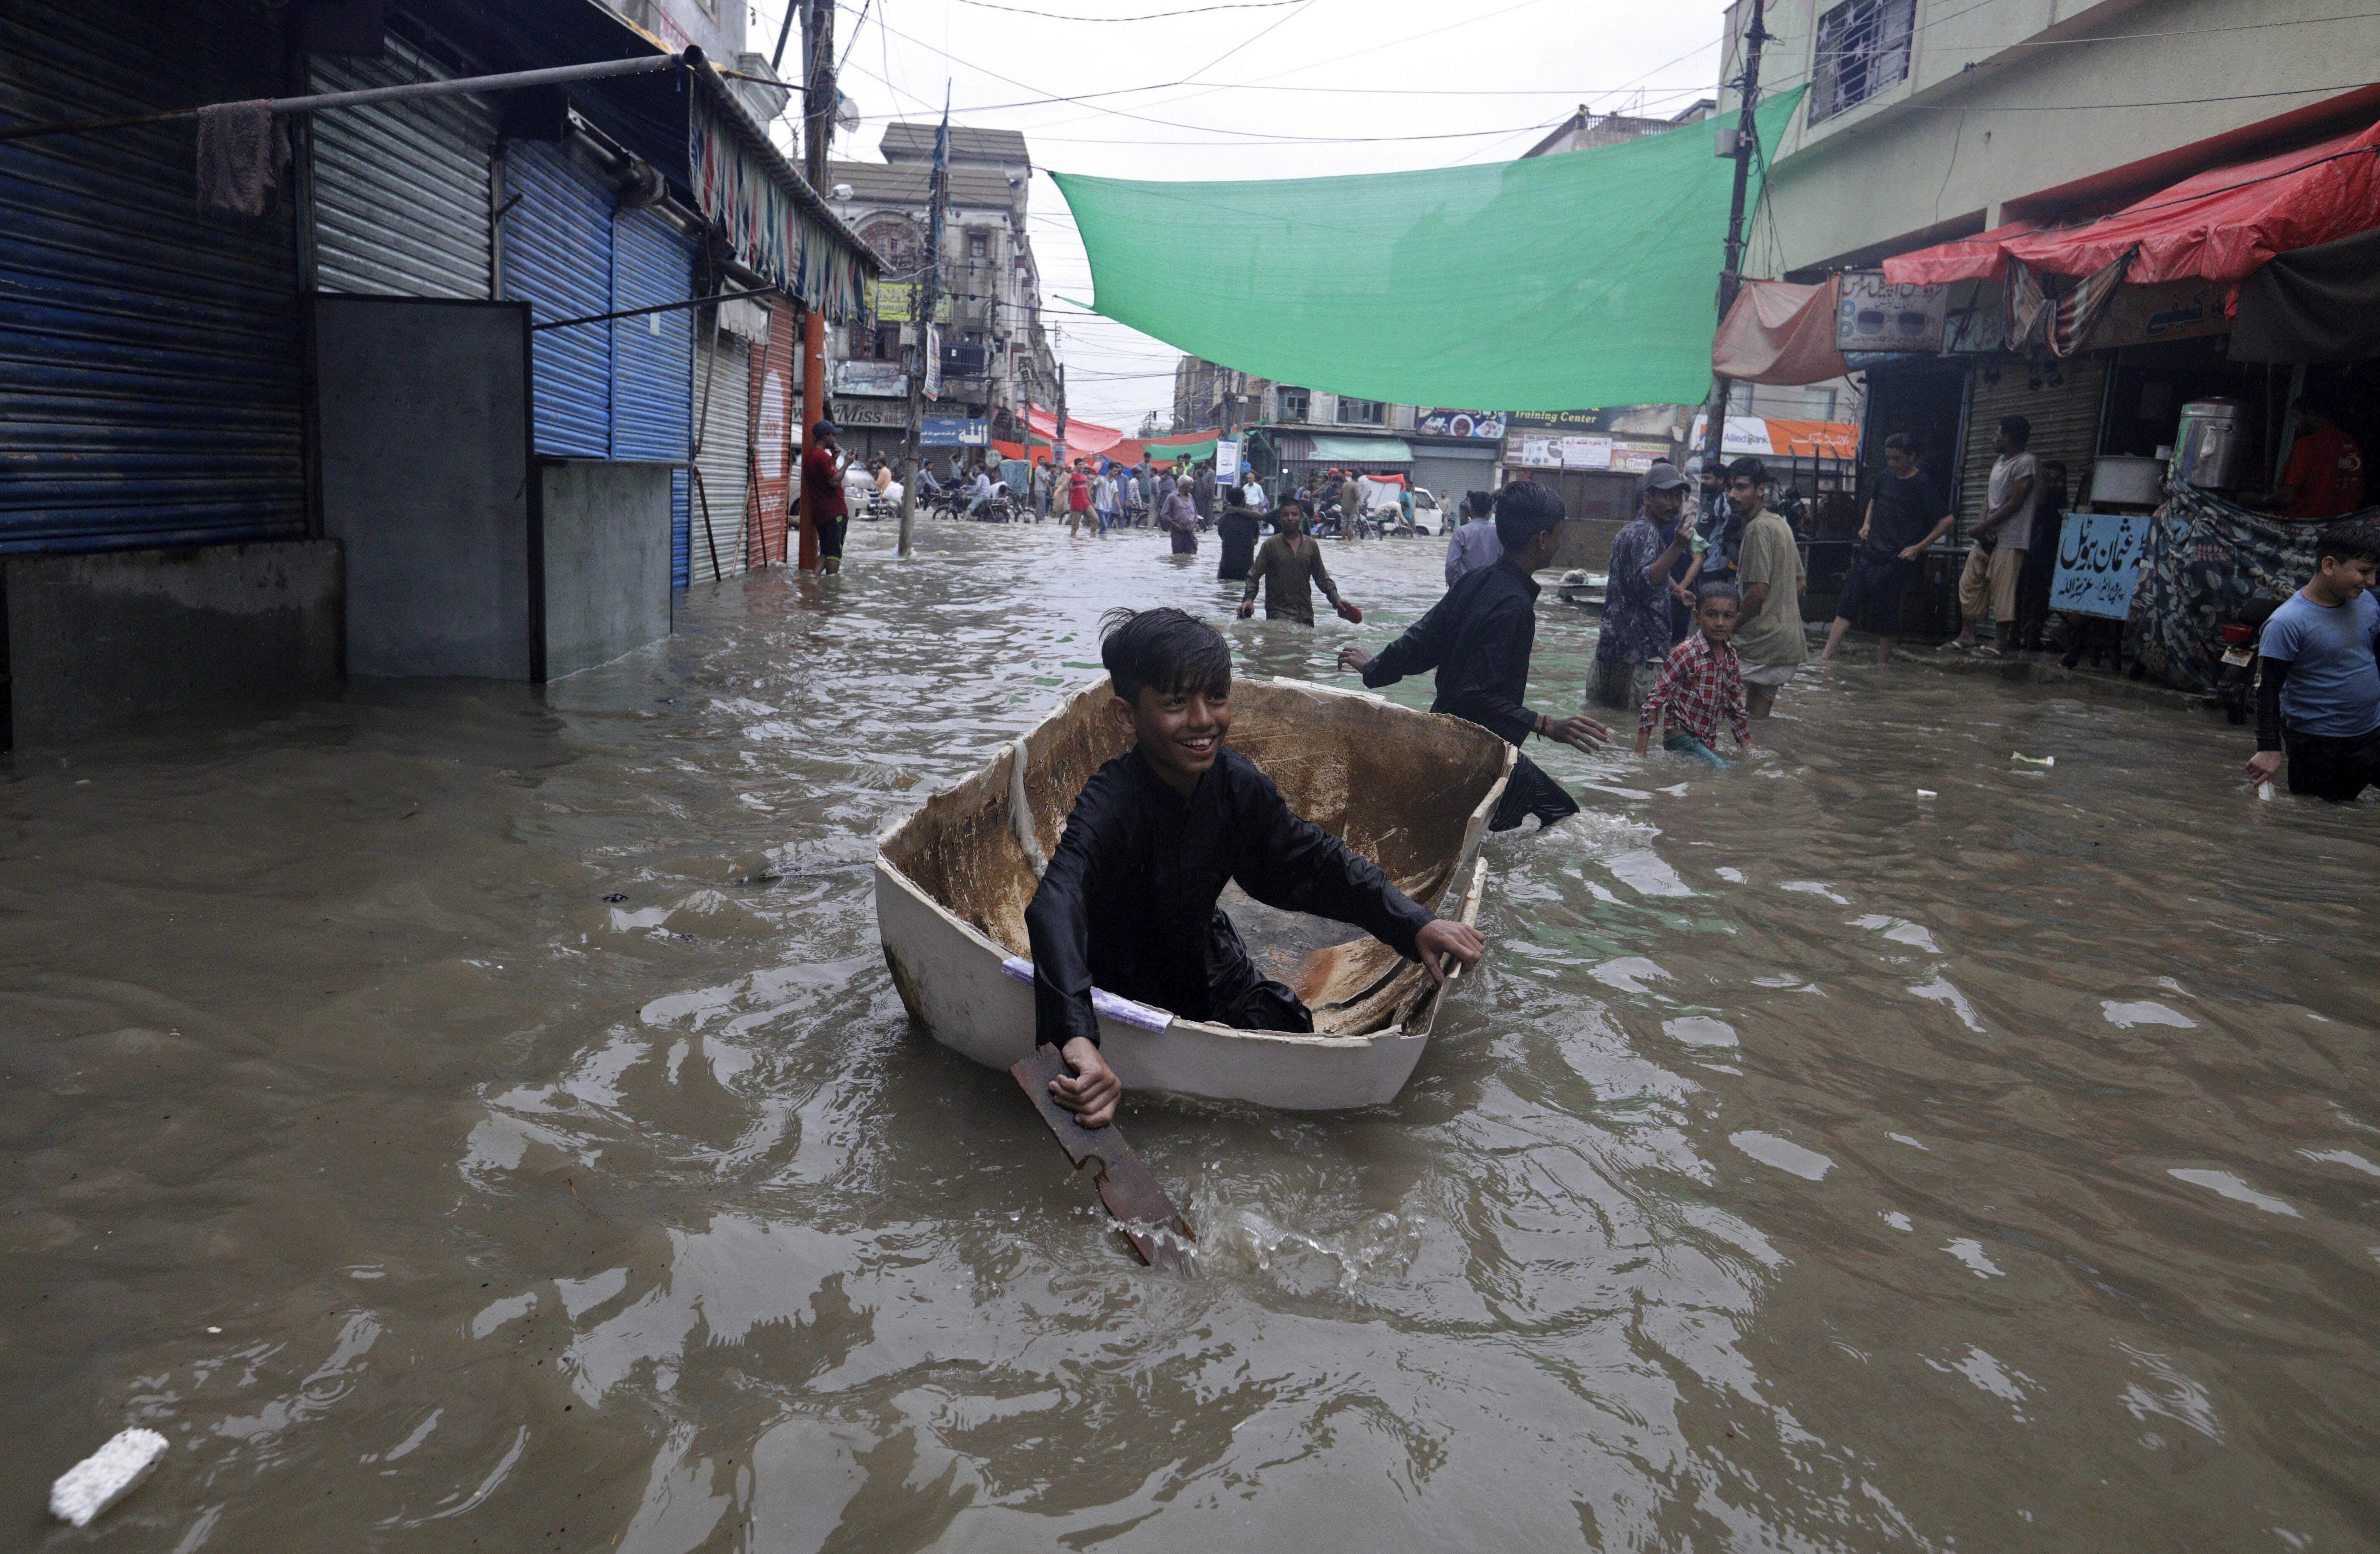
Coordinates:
556	256
150	363
722	377
652	359
1455	472
775	409
2065	422
402	190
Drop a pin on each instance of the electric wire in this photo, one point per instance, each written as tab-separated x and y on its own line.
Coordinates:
1152	16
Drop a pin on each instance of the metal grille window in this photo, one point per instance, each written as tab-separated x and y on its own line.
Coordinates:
1361	412
1863	47
1294	404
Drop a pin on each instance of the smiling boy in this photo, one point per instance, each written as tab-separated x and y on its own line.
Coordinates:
1128	901
2319	694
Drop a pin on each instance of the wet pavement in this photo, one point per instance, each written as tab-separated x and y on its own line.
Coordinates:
458	1117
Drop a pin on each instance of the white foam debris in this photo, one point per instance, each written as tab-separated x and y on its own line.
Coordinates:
106	1477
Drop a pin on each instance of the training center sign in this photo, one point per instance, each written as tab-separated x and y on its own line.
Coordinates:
2098	564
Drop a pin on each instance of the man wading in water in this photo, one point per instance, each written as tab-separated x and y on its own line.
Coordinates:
1478	638
1128	901
1290	567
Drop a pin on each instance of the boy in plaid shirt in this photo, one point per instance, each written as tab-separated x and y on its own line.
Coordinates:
1702	682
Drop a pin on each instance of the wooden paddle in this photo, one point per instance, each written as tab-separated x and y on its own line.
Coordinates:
1141	1211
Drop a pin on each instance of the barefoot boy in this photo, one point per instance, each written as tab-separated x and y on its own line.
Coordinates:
1701	683
1128	902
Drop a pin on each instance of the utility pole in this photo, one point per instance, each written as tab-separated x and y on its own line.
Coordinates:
1730	280
1057	453
818	123
932	293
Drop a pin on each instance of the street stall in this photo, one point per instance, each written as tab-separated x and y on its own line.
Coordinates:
2198	344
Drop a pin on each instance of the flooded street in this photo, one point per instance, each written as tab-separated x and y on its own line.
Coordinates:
460	1117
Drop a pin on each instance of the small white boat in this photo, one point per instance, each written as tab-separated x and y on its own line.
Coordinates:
1410	790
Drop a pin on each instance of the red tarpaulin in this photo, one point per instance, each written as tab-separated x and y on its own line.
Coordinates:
2223	224
1082	436
1779	333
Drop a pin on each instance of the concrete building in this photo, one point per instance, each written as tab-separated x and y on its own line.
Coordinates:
997	359
1933	120
719	28
1584	131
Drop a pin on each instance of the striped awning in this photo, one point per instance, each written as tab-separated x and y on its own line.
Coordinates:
779	224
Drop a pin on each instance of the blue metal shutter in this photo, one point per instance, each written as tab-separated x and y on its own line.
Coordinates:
652	359
557	258
151	368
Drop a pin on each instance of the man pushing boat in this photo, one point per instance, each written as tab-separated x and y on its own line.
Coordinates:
1128	902
1478	637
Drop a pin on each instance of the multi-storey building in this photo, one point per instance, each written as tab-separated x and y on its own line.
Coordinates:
996	355
1933	121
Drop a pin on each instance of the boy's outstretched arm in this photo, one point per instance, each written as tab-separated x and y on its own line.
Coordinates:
1286	861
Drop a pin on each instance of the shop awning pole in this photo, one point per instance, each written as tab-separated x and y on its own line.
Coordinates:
512	80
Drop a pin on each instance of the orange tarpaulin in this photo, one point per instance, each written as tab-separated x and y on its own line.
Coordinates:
1779	333
2223	224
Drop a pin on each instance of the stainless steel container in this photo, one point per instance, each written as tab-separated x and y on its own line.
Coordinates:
2128	481
2211	450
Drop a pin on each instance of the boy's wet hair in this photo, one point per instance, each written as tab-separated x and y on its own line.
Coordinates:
1164	650
2348	540
1704	592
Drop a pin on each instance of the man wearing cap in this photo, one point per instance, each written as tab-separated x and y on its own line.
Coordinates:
822	501
1479	637
1635	640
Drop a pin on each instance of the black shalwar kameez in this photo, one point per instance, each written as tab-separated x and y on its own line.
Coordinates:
1128	901
1478	638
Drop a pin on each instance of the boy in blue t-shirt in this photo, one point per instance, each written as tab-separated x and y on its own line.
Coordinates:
2320	692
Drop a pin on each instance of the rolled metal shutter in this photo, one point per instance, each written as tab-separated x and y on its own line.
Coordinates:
1455	472
775	407
151	368
556	243
652	359
722	398
2065	423
401	190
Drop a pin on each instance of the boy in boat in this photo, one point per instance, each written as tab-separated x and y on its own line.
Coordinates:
1478	637
1128	901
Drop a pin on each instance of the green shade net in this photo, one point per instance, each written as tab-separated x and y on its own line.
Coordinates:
1590	278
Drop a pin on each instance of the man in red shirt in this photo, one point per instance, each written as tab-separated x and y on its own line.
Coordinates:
2325	478
822	496
1078	498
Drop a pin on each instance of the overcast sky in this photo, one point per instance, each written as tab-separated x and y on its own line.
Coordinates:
1259	89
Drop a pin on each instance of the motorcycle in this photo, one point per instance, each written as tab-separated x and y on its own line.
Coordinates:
2236	676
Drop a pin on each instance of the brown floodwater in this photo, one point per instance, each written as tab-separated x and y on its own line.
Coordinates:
461	1117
